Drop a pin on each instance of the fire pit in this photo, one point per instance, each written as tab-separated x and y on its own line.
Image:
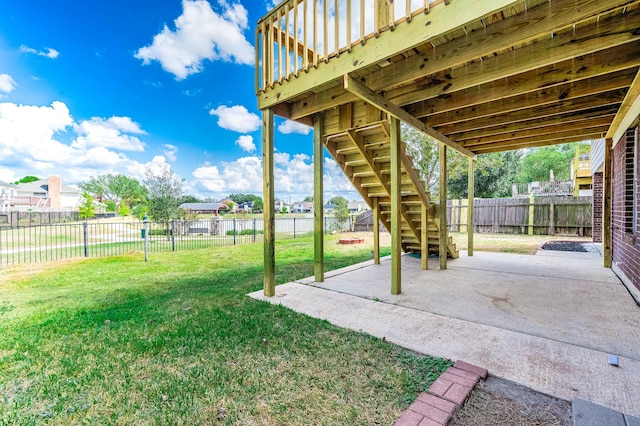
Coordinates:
351	240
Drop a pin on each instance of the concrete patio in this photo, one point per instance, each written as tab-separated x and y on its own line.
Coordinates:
548	322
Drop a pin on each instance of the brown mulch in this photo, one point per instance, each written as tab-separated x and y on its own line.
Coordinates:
500	402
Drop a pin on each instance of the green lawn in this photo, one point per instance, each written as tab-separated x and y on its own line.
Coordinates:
177	341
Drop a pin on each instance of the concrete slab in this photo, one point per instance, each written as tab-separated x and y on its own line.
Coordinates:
546	322
586	413
572	300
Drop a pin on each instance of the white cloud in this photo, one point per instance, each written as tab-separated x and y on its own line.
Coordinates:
246	143
170	151
293	177
7	83
47	52
110	133
31	143
236	118
201	34
288	126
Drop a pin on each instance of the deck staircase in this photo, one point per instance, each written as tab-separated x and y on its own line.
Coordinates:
363	154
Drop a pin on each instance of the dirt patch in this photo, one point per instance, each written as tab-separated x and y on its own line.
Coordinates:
564	246
501	402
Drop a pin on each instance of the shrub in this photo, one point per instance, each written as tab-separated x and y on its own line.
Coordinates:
244	232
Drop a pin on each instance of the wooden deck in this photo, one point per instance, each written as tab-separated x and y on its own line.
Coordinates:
478	76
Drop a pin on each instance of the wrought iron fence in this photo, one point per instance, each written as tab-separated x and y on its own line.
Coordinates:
42	243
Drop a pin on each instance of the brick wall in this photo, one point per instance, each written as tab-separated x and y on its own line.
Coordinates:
596	219
625	246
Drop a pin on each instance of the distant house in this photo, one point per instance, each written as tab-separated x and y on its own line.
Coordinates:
229	201
7	192
246	207
303	207
279	205
47	193
204	208
357	206
329	208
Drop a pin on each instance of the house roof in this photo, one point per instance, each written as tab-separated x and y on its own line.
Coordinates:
42	185
204	207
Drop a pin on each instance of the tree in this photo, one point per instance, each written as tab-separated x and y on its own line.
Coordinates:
116	188
27	179
248	198
165	190
424	152
493	174
257	205
189	199
340	212
308	199
539	162
242	198
86	209
110	205
123	209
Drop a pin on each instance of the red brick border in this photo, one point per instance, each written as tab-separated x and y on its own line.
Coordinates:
446	394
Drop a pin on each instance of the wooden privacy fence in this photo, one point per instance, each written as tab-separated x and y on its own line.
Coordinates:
533	216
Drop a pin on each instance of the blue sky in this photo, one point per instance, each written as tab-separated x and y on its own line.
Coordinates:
121	86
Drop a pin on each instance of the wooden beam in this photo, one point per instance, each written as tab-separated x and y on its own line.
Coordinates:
363	92
396	203
617	31
268	201
424	237
576	134
318	199
606	203
442	216
511	101
538	128
496	37
423	27
376	231
576	137
533	116
628	112
470	206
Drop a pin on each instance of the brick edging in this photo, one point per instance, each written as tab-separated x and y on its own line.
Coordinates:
444	396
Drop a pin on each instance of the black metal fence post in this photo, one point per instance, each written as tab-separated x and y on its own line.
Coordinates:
254	230
294	228
86	243
173	233
234	232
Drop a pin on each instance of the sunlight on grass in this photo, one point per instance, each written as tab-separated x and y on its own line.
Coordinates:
177	341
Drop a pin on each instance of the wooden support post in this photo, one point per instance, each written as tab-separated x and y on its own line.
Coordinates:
532	211
376	231
318	198
424	237
606	204
396	204
268	204
443	206
552	218
470	206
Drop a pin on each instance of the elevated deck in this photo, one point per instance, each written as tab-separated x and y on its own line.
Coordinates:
477	76
487	75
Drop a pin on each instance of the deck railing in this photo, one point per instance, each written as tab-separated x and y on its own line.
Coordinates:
299	34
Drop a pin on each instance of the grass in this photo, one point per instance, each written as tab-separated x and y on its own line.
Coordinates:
177	341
